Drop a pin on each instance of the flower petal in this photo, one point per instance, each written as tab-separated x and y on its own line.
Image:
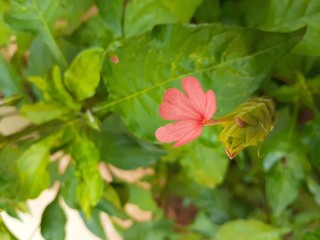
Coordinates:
195	93
176	106
169	111
190	136
210	105
175	131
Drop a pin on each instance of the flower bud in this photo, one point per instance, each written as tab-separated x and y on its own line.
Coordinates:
247	125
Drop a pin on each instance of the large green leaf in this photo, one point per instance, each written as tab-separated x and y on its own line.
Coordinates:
83	75
249	230
141	16
37	16
230	60
288	15
53	222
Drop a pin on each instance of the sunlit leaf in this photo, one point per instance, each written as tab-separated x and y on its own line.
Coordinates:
83	75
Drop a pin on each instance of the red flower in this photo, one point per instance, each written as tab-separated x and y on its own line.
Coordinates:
190	112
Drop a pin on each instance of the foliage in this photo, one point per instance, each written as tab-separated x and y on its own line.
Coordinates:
89	76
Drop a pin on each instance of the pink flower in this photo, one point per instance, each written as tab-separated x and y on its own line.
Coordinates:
190	112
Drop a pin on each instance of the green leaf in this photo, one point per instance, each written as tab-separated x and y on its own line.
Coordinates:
10	182
142	16
41	112
205	164
230	60
89	186
83	75
53	222
152	230
94	32
5	30
110	203
32	167
37	16
286	166
74	13
112	12
41	59
288	15
249	230
121	149
53	89
93	223
142	197
10	82
311	136
208	12
203	225
5	234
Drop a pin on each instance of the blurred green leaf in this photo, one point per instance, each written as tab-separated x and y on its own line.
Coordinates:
93	223
311	137
10	82
249	230
110	203
5	234
53	89
205	164
41	58
314	188
232	61
94	32
209	11
142	16
37	16
142	197
112	13
286	166
152	230
6	32
203	225
41	112
10	183
288	15
32	167
73	15
83	75
53	221
89	186
123	150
